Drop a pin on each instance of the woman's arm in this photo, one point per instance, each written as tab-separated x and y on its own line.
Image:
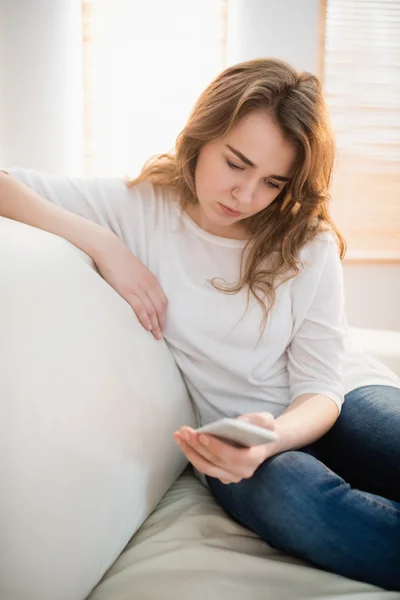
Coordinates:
115	262
305	420
20	203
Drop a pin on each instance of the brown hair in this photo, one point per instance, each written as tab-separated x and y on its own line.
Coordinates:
296	216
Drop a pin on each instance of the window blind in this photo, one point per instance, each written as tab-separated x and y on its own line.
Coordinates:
362	86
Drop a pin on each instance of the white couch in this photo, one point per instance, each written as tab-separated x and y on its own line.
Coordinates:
96	502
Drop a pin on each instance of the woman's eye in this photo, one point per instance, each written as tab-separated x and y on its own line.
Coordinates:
271	184
268	182
233	166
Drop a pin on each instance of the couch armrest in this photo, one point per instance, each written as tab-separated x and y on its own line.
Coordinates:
89	401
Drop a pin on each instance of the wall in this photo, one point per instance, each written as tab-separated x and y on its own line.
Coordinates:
2	82
286	29
41	103
373	295
41	79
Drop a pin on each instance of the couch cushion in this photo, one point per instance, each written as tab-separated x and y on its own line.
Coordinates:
89	401
380	344
189	549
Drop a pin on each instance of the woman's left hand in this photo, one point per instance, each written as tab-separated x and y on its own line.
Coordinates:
218	459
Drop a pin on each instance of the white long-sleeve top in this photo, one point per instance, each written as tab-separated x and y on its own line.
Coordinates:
228	368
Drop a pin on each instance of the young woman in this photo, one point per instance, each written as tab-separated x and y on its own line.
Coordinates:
233	228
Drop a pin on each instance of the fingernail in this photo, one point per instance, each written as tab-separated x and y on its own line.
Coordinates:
149	327
203	440
185	435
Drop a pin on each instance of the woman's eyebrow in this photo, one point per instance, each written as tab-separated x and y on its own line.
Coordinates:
248	162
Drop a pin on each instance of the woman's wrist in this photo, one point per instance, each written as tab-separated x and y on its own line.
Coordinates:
286	437
304	421
97	241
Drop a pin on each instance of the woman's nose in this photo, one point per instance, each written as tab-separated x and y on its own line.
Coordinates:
243	194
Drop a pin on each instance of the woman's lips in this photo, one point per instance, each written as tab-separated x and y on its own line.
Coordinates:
229	211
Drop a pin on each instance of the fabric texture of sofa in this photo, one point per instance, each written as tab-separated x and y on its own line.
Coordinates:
97	501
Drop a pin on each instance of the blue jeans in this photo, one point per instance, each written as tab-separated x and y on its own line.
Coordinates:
335	502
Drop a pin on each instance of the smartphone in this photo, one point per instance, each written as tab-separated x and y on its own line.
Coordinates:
239	433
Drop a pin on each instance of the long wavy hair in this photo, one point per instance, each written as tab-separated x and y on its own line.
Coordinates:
301	211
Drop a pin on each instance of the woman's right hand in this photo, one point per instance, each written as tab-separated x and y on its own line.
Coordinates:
134	282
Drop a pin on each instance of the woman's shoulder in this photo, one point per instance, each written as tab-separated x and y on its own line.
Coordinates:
319	261
158	203
319	248
148	191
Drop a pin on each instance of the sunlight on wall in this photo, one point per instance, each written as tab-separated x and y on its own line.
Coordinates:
143	75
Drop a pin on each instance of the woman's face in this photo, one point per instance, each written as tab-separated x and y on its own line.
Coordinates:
240	174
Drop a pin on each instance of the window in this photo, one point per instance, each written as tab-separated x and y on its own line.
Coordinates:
362	85
143	75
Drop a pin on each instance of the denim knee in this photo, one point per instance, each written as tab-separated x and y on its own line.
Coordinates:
270	502
300	506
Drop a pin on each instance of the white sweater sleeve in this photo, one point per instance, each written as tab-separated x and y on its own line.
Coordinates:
316	351
104	200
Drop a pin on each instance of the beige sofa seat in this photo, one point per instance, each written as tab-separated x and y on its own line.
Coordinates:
189	548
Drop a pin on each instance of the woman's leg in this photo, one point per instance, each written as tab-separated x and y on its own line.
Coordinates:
300	506
363	446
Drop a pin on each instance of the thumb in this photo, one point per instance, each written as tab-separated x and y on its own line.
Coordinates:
264	419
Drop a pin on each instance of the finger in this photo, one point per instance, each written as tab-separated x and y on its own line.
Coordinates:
159	304
233	477
240	462
264	419
203	465
152	314
164	298
140	311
